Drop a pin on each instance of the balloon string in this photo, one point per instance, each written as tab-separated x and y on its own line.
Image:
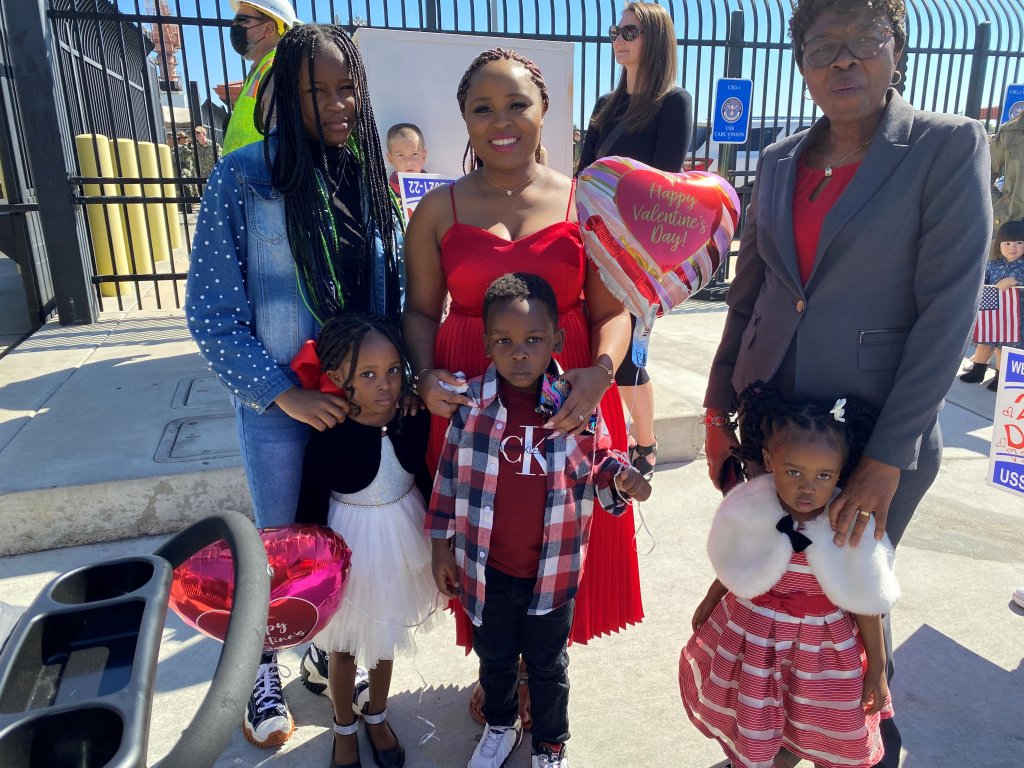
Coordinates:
636	504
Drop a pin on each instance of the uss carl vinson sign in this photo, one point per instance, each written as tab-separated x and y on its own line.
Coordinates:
732	110
1006	458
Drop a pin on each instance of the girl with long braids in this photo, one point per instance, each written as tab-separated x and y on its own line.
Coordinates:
511	213
367	479
292	231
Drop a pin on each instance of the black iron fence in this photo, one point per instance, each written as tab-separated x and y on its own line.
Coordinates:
131	74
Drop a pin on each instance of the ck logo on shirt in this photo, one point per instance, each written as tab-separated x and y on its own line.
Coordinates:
517	449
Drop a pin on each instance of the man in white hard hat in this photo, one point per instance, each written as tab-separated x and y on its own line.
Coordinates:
255	30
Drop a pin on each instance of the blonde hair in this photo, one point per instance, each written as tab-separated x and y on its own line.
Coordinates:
656	75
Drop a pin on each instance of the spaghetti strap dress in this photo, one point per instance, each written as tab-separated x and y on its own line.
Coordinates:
471	258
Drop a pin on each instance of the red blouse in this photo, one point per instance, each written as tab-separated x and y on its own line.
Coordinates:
809	215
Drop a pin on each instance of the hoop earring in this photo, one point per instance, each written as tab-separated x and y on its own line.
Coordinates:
806	94
896	79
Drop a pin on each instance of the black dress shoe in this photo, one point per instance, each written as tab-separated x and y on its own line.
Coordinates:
344	730
387	758
975	374
994	384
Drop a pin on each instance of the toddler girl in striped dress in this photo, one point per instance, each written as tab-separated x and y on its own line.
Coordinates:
787	660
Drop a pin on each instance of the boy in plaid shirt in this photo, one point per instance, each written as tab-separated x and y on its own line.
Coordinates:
515	500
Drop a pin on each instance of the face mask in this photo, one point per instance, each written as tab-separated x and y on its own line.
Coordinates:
239	36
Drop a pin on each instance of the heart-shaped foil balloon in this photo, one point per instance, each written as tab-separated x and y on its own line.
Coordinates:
655	238
309	567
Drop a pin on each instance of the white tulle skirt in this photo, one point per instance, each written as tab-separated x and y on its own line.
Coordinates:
390	593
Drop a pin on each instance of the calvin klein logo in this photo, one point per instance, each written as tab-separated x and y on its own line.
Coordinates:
522	450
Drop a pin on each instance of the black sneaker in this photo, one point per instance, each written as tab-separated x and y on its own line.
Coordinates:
267	722
313	671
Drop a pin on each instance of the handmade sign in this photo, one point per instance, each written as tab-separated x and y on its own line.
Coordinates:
309	567
655	238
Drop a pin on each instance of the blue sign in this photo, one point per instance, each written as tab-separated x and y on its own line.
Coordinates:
732	110
1008	475
1013	103
1013	361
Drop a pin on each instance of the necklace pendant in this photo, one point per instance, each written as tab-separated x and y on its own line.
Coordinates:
828	171
508	192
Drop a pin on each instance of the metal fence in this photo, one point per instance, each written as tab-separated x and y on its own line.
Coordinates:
138	70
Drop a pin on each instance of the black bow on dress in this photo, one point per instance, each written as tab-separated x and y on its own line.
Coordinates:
797	539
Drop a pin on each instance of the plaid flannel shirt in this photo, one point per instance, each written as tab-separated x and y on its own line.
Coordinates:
580	469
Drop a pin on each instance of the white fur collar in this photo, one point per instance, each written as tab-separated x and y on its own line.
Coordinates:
750	555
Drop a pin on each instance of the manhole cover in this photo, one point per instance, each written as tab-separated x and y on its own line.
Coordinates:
204	392
198	438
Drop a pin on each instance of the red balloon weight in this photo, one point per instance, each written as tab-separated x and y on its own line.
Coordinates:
309	567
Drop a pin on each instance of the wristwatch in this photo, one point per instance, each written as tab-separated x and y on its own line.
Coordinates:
717	421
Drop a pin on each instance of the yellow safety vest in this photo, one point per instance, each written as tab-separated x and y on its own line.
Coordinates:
242	125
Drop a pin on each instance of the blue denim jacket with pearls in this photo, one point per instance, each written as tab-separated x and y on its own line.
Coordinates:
243	304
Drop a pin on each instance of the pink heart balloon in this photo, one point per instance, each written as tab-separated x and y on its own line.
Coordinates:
671	215
309	570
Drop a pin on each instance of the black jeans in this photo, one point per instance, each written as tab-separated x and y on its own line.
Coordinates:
508	631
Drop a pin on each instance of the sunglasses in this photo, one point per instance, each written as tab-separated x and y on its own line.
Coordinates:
822	51
240	20
629	32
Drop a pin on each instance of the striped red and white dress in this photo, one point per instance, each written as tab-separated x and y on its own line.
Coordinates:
759	675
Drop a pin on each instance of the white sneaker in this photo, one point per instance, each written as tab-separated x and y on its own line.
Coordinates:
1018	596
550	756
496	744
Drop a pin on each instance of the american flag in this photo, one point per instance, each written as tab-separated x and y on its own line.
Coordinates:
998	316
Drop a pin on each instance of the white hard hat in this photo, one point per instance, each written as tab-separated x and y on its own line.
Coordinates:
281	10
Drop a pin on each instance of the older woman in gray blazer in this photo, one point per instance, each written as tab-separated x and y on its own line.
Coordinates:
860	263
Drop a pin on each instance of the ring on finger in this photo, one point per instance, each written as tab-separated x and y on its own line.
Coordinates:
863	513
580	417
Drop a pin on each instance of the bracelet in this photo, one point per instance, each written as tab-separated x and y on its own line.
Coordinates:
718	421
606	369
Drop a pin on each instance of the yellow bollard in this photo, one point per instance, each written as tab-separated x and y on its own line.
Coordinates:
170	190
127	166
155	213
106	227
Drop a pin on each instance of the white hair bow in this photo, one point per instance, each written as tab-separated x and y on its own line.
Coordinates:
839	410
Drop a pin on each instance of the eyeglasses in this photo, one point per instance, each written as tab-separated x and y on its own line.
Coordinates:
629	32
822	51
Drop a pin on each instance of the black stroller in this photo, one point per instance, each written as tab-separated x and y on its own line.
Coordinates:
77	672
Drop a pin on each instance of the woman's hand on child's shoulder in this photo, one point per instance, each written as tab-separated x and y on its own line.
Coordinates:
630	482
318	409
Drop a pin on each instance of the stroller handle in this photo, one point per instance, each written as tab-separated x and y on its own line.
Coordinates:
214	721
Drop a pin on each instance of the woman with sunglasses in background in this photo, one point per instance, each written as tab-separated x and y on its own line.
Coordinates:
649	119
864	248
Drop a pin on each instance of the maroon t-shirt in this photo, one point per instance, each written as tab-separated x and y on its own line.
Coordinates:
521	496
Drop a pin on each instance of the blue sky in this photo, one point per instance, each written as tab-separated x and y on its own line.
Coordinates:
936	81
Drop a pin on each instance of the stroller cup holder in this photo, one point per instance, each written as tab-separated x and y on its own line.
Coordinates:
77	673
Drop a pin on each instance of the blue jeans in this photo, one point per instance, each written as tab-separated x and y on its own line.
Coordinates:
272	445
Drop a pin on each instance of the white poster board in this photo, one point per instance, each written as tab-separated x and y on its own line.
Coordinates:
1006	456
414	76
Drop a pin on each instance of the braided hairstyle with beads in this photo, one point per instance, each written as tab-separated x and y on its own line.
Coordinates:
764	412
301	176
470	161
342	337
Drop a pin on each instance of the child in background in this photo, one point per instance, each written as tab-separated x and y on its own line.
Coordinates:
787	657
516	501
1005	272
407	152
366	478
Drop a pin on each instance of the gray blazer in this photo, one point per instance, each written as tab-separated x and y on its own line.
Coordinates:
894	289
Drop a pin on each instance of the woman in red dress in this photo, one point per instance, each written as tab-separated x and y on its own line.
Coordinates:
511	213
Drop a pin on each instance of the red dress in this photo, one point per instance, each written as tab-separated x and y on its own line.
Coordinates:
472	258
782	670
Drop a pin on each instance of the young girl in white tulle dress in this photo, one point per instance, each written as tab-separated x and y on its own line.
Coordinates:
787	660
366	478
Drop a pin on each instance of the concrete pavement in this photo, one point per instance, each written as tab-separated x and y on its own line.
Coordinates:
959	690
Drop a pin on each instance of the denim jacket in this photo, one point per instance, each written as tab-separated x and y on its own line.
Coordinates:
243	303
